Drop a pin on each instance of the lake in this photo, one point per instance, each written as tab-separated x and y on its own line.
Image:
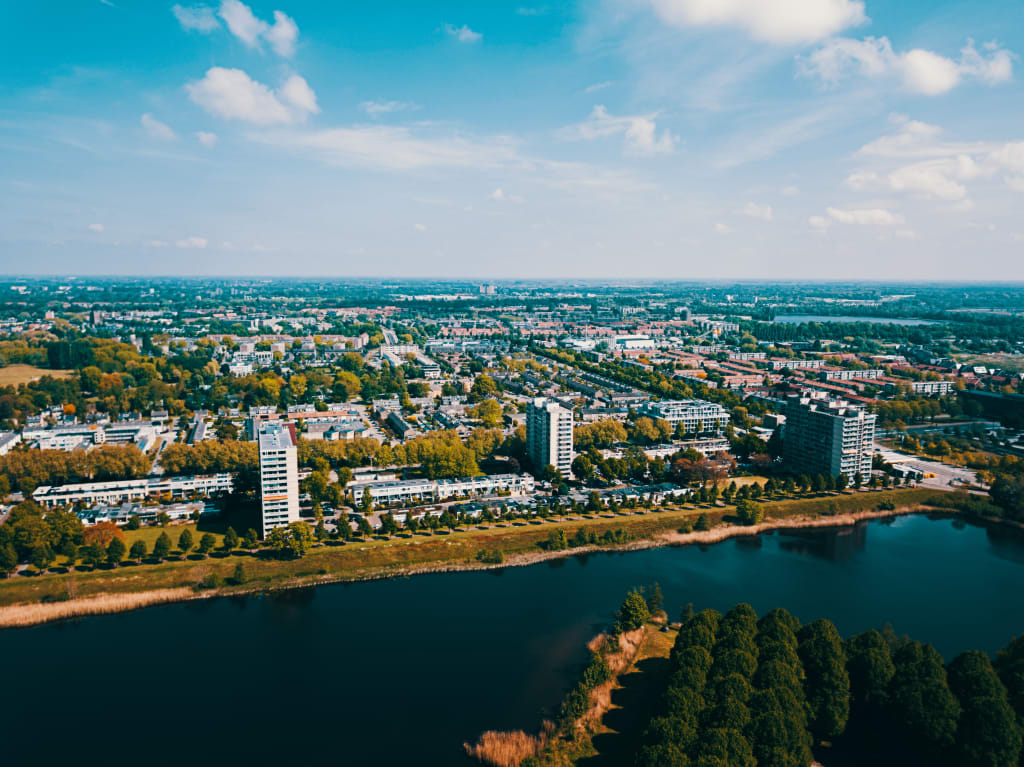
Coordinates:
401	672
796	319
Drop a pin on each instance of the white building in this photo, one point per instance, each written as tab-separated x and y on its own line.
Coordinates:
696	415
549	438
279	477
123	491
430	490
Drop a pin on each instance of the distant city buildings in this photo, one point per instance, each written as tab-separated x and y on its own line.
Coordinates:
549	438
279	476
827	436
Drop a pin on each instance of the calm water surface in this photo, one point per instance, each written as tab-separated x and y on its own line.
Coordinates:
401	672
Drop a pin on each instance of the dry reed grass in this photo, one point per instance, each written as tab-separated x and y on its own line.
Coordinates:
504	749
28	615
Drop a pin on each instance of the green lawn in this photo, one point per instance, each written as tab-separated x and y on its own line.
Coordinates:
150	534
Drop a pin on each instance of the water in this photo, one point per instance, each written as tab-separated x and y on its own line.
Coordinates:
402	672
796	319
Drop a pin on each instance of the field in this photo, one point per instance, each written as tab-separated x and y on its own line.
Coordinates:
406	554
997	360
150	534
12	375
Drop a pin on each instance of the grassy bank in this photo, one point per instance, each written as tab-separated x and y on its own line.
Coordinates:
519	543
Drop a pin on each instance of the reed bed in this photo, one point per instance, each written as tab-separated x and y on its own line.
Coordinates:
504	749
30	614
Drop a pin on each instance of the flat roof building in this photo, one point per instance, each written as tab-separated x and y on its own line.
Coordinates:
827	436
279	476
549	437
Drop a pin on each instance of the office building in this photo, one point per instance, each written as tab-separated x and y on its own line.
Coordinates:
279	476
827	436
549	435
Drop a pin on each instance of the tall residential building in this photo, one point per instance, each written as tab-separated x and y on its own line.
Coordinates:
549	435
696	415
279	476
827	436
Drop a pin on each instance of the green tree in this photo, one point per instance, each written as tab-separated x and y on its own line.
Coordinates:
116	551
920	699
207	543
987	733
94	554
185	542
162	546
163	519
134	523
869	664
250	540
239	576
230	539
633	613
366	502
703	522
654	598
42	556
8	559
827	683
138	550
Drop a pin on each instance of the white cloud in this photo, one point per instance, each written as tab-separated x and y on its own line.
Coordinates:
763	212
397	148
296	91
157	129
463	34
918	70
95	227
192	242
375	108
940	169
232	95
819	223
865	216
907	234
782	22
157	244
199	18
638	131
420	227
790	191
206	139
281	35
722	228
597	87
499	195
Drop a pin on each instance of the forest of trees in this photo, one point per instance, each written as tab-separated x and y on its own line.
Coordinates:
743	692
26	470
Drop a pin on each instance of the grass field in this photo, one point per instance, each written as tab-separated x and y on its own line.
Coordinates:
12	375
150	534
404	554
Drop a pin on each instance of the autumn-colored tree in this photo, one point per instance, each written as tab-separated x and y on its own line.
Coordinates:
103	533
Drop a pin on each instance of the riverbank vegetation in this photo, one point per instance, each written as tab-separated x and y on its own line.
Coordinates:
741	691
518	542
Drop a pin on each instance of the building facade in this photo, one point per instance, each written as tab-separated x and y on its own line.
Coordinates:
827	436
279	477
549	438
696	415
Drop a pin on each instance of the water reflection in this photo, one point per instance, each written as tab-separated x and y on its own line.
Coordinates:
836	545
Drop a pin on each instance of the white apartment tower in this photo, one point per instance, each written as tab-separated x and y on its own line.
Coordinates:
549	435
826	436
279	477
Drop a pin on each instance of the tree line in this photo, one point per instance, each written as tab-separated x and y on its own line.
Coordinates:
743	691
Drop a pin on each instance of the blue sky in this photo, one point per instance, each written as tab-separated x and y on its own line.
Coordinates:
606	139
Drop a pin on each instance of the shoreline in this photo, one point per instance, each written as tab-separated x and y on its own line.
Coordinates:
25	615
